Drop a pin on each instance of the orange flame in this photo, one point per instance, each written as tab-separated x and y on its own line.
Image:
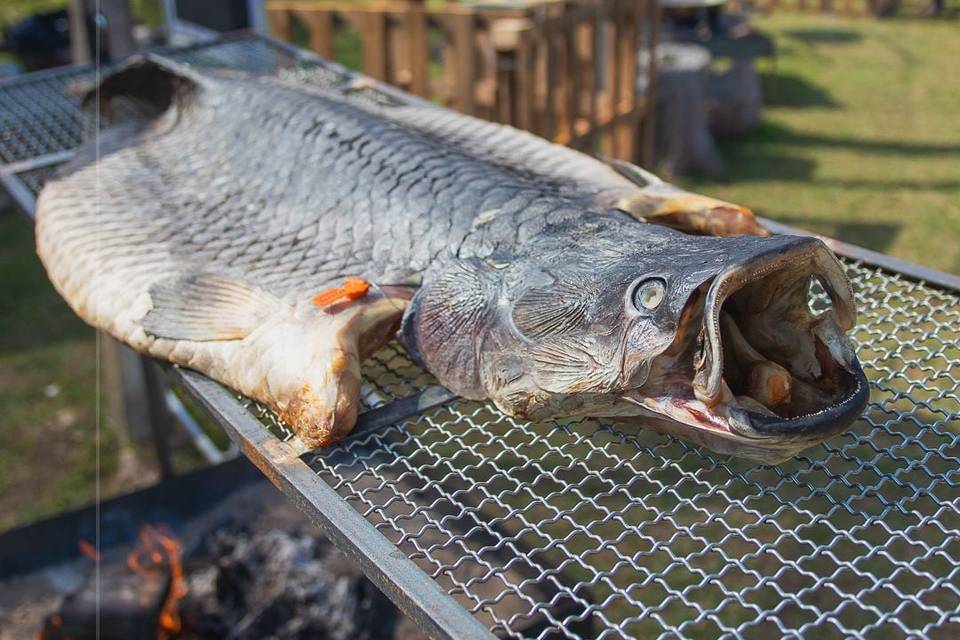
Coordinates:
156	551
88	550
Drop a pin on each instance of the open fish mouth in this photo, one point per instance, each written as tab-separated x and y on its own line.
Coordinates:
753	370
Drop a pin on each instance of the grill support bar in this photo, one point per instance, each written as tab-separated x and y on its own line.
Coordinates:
407	585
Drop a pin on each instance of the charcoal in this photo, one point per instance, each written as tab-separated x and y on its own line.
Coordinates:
279	585
130	605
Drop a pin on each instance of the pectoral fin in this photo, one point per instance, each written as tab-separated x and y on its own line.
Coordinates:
203	307
445	322
660	202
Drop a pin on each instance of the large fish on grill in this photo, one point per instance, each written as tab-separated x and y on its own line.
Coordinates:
272	235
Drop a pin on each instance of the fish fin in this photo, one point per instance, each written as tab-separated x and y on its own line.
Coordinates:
659	202
316	387
637	175
444	325
149	83
696	214
203	307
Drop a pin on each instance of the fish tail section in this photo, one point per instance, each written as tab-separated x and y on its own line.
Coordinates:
305	365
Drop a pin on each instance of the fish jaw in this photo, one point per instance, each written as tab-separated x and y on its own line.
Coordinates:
756	374
730	428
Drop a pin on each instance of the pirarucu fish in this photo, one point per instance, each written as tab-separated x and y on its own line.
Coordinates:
272	235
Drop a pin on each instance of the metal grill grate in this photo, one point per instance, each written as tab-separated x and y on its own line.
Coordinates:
642	535
40	115
593	529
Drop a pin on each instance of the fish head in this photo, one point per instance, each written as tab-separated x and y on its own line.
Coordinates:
710	339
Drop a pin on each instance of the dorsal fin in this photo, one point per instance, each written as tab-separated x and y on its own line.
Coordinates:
152	83
633	173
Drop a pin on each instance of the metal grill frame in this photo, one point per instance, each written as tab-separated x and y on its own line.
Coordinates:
435	547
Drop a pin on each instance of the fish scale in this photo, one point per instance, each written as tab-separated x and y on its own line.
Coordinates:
214	222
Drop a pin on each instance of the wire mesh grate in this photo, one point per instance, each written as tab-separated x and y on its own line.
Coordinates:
40	114
585	528
638	534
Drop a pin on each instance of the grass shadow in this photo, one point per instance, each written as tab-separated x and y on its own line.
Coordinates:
878	236
814	36
793	91
770	132
743	163
31	313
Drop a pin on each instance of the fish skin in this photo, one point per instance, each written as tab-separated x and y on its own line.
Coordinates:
288	189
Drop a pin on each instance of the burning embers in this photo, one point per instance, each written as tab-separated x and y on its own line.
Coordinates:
239	582
161	554
136	599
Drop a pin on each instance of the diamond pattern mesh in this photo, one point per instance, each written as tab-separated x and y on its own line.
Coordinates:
639	534
585	528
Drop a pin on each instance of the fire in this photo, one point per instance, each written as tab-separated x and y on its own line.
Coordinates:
157	551
88	550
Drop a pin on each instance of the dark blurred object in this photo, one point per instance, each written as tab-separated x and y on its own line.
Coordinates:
201	20
734	95
123	606
216	15
735	98
40	41
43	40
682	143
283	586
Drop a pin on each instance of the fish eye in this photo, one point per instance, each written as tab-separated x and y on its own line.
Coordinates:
648	294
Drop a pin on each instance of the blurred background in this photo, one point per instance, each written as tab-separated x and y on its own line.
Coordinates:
837	116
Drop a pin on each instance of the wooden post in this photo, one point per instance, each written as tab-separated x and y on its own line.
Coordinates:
320	24
649	99
524	80
124	389
79	38
119	32
463	43
418	50
161	420
281	26
136	406
374	42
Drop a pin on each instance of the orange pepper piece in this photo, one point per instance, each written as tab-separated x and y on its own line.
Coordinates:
352	289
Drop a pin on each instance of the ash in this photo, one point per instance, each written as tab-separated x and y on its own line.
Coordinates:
280	585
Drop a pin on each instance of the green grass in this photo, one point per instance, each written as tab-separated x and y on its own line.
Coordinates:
47	389
48	393
146	11
860	139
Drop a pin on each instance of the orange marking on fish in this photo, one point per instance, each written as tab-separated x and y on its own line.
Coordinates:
352	289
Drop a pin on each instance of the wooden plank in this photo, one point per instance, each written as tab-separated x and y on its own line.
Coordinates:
524	80
320	24
419	53
79	38
551	78
649	99
119	31
280	24
374	44
572	84
627	128
465	62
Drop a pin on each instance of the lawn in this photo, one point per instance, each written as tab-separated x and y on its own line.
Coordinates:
861	141
861	137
